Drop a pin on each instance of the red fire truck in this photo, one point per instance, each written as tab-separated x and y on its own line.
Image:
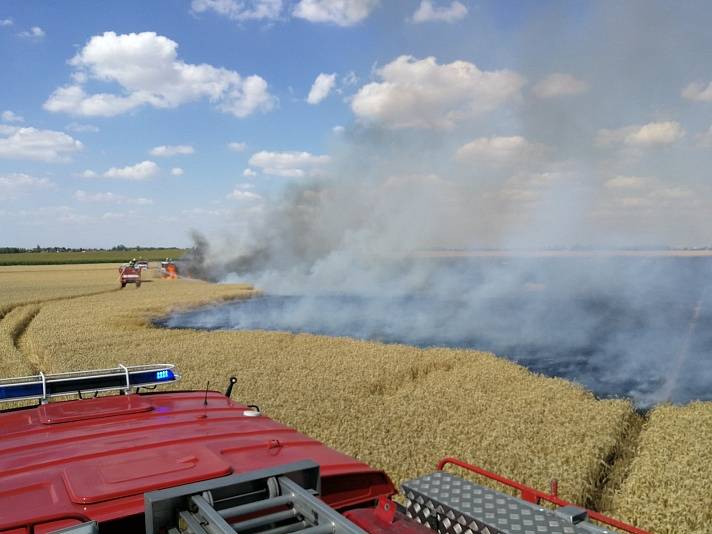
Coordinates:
198	462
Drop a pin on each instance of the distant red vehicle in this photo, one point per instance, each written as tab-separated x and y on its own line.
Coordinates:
129	274
169	270
196	462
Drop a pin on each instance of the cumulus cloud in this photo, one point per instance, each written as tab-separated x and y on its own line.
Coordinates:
110	198
671	193
427	12
237	147
698	92
249	173
88	174
149	73
559	84
35	33
626	182
321	88
240	10
289	164
34	144
45	215
240	194
6	22
425	94
651	134
177	171
201	213
500	151
15	184
171	150
339	12
140	171
10	116
705	139
82	128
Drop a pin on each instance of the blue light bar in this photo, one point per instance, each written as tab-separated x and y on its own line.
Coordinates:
121	378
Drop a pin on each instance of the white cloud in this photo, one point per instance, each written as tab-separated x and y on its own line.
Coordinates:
171	150
559	84
651	134
338	129
237	147
427	12
289	164
656	133
241	10
45	215
634	202
10	116
349	79
339	12
35	32
202	212
424	94
240	194
148	71
140	171
81	128
321	88
658	197
15	184
31	143
177	171
698	92
88	174
499	151
705	139
117	216
671	193
626	182
249	173
110	198
6	22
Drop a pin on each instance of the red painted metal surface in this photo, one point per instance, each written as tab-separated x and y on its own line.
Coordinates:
370	521
533	495
93	459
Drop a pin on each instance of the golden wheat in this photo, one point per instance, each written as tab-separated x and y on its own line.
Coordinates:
396	407
27	284
668	486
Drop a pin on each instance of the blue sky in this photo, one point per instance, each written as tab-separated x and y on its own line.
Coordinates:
527	105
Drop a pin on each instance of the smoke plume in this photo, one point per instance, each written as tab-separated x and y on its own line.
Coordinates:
358	249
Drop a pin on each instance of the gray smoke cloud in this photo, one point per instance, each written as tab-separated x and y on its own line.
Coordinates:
354	252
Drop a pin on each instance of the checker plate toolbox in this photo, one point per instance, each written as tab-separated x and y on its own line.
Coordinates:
449	504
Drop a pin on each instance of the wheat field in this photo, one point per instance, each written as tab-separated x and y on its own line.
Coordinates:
397	407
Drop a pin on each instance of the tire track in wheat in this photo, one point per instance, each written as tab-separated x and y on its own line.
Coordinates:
18	356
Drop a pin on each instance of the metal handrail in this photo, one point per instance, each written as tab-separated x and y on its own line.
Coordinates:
533	495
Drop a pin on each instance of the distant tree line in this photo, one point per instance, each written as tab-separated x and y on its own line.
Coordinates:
19	250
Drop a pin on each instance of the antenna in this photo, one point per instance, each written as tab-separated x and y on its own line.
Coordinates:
205	402
228	391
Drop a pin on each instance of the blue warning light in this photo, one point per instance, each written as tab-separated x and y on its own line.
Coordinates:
164	374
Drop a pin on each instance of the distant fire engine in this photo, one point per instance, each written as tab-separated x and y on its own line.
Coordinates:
129	274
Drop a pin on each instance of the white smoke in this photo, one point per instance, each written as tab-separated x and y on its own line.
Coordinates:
423	172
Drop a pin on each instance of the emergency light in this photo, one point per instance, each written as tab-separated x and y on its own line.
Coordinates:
122	378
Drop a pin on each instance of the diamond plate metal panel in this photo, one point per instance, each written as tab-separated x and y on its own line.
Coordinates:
449	504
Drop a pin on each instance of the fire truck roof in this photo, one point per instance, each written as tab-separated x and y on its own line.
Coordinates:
93	459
